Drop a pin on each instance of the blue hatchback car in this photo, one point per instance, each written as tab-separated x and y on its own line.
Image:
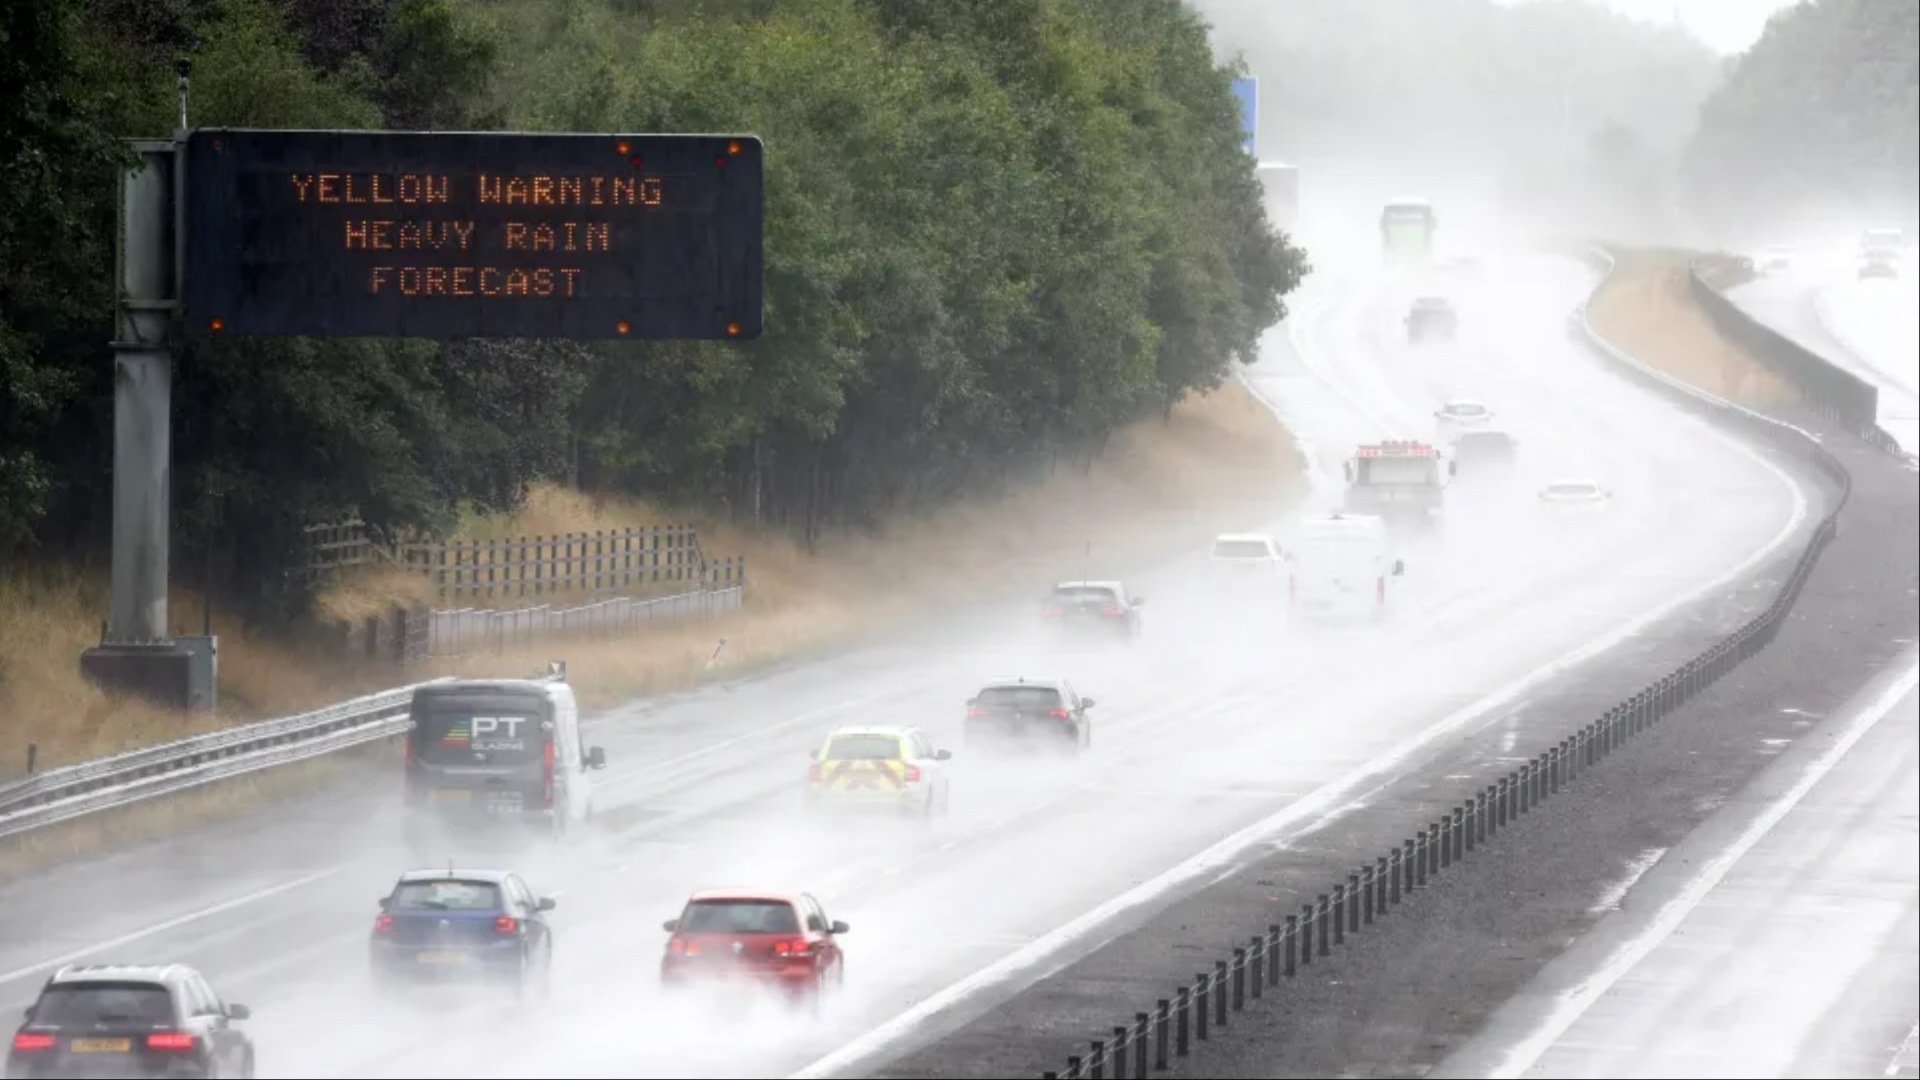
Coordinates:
464	926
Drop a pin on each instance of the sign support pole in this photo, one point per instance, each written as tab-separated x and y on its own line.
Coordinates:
137	652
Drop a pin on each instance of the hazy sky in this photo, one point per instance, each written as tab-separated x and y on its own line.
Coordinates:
1728	26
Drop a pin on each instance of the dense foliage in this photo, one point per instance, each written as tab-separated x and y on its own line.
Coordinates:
996	230
1551	113
1818	123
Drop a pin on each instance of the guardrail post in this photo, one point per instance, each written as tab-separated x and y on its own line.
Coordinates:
1097	1061
1162	1016
1239	979
1273	954
1420	853
1306	934
1257	967
1182	1020
1353	903
1293	942
1380	885
1397	870
1504	812
1201	1002
1466	828
1119	1046
1443	837
1543	775
1523	781
1326	944
1572	756
1370	888
1074	1062
1140	1046
1461	841
1220	993
1339	914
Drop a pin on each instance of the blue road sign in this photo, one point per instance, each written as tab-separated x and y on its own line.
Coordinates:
1248	91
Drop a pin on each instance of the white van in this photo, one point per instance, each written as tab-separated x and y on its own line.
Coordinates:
1339	564
491	753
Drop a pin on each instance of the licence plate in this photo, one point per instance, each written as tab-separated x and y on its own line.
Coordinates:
100	1046
451	794
440	957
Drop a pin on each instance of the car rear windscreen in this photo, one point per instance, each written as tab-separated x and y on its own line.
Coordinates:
863	748
1572	490
1084	594
86	1004
1241	549
1037	698
739	917
455	734
446	895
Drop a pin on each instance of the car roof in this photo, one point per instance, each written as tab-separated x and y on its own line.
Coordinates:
1573	481
147	973
1483	433
1464	401
1262	537
766	895
895	730
1016	681
1088	585
449	873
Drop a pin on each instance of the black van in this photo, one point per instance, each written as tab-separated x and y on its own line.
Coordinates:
483	752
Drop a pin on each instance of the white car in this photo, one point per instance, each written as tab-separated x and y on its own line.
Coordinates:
1463	413
1575	493
1253	553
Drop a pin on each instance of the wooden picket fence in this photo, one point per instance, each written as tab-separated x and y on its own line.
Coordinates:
635	560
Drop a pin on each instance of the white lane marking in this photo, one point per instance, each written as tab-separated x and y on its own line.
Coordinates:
162	927
673	764
1908	1054
1636	869
1574	1003
1326	801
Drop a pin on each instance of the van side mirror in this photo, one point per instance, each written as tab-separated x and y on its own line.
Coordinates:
839	927
238	1012
671	925
1453	468
943	755
1399	567
596	757
1086	703
545	903
386	902
972	701
27	1012
1138	601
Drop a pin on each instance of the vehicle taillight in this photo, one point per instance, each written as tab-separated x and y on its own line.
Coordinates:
546	776
1051	610
793	947
1116	609
976	712
170	1040
29	1041
382	923
813	772
913	774
1060	714
677	947
506	924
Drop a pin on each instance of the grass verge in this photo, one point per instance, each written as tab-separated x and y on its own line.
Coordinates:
1219	462
1646	308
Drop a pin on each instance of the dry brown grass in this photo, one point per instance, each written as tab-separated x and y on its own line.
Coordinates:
50	613
1219	463
1646	309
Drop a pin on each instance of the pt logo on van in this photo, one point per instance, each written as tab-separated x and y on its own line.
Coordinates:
483	733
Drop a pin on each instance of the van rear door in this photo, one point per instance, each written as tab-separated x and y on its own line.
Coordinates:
487	754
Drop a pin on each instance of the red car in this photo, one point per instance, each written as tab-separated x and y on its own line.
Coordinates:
781	940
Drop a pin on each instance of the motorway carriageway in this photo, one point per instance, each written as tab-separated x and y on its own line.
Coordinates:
1223	726
1780	939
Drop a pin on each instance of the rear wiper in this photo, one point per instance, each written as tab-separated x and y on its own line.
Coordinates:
436	905
114	1018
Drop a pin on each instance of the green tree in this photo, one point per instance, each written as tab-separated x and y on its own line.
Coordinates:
1819	120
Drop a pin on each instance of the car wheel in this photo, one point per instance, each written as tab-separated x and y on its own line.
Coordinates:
247	1066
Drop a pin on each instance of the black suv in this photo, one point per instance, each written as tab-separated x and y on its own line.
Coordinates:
107	1020
1044	711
